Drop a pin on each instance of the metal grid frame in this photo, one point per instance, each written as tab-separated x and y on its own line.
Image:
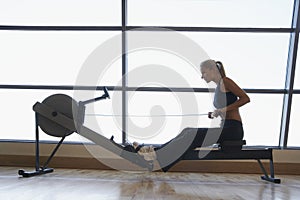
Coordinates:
288	90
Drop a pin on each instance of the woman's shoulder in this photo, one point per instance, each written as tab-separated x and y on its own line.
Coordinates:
226	80
228	83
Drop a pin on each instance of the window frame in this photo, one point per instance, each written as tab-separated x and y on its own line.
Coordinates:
288	91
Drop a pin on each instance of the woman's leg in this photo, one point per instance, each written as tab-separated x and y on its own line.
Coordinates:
232	130
173	151
190	138
186	134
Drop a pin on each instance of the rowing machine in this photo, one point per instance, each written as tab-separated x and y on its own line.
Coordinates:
59	115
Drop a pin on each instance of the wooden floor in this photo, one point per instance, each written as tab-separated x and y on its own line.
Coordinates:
92	184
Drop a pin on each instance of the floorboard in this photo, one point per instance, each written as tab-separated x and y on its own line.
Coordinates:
100	184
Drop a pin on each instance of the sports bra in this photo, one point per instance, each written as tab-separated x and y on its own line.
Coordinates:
223	99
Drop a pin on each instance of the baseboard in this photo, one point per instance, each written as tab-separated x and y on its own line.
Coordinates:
245	167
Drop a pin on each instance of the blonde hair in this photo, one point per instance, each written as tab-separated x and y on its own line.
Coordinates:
217	64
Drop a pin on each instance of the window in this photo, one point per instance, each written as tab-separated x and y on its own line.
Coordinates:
157	117
297	72
248	55
148	123
103	116
217	13
159	67
60	13
17	115
49	58
259	55
251	38
294	136
262	118
19	119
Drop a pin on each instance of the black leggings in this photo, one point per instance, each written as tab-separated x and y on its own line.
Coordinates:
173	151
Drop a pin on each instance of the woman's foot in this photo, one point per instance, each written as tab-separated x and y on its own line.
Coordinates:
166	168
147	152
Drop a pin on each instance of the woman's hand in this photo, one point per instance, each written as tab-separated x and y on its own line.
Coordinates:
217	113
220	112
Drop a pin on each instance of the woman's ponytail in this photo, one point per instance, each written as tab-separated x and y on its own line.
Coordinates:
221	69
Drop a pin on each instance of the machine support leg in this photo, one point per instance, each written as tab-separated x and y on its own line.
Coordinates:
262	168
53	153
271	168
38	169
37	147
266	177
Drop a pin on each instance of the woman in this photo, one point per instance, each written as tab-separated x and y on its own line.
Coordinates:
228	98
228	95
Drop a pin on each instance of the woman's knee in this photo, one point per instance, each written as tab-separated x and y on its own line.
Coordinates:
188	129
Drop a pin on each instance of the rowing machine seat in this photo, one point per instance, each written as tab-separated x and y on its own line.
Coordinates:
231	145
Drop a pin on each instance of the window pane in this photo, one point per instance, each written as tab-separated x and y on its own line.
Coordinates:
101	116
218	13
19	120
18	116
294	136
156	68
60	12
262	119
259	127
254	60
50	58
156	117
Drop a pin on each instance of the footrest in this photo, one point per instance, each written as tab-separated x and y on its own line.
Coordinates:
35	173
270	179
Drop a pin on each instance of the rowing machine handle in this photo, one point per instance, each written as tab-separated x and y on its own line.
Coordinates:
210	115
106	95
